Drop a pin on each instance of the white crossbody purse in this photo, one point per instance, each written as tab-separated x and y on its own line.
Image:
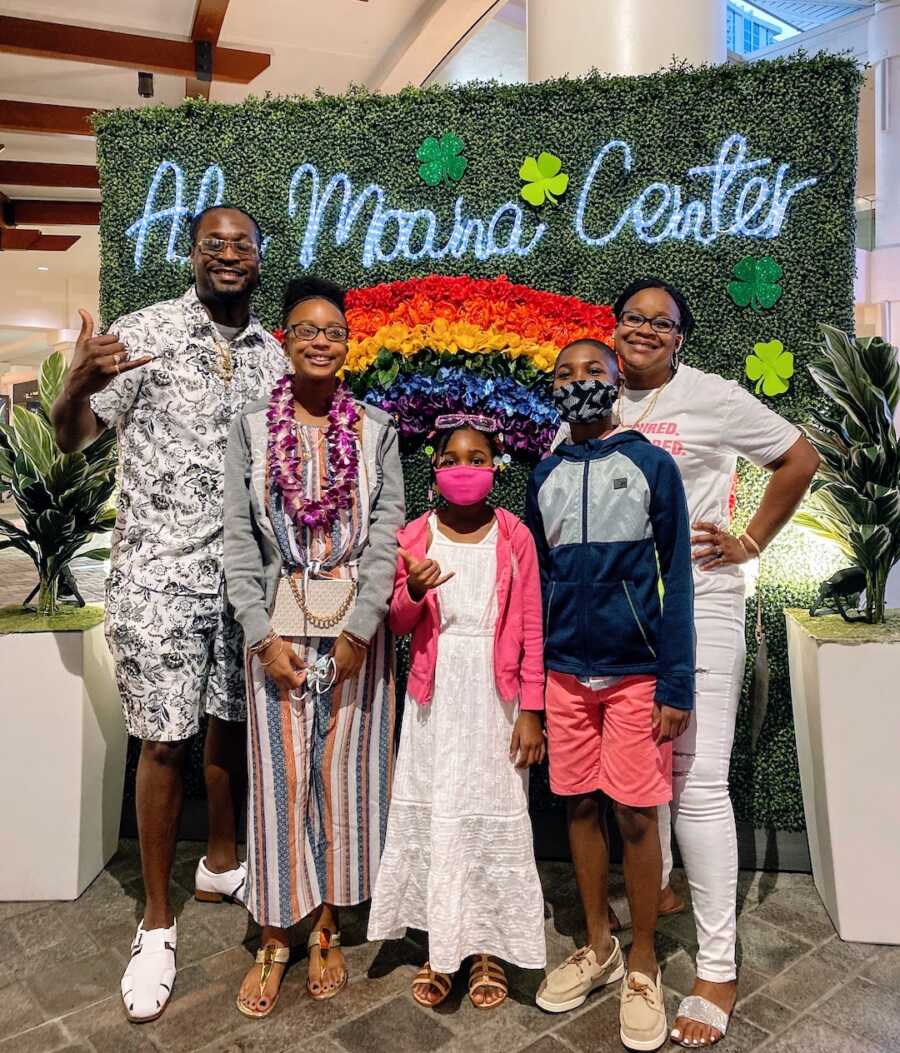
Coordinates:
307	606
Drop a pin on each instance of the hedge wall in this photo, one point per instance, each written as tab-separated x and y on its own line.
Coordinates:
800	112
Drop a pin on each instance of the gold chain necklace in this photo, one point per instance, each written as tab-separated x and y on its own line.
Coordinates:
651	402
225	365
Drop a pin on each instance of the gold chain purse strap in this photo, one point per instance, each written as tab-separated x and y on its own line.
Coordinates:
322	621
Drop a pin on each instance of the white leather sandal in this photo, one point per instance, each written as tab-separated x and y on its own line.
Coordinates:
214	888
150	975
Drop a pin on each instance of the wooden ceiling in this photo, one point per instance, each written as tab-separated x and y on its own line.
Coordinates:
200	60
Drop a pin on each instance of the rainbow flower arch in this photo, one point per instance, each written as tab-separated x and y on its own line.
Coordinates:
433	345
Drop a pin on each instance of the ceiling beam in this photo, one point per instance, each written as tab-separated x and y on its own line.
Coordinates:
209	16
40	173
177	58
34	241
52	213
45	117
428	40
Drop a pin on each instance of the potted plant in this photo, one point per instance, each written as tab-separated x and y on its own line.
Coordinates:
61	708
844	674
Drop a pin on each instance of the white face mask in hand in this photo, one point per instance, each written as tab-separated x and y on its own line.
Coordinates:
320	677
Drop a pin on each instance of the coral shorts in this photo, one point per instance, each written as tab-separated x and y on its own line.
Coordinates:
604	740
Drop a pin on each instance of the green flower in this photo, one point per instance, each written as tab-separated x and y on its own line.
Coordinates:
757	283
771	367
543	179
441	160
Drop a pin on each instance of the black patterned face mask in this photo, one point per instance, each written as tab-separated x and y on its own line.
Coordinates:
584	401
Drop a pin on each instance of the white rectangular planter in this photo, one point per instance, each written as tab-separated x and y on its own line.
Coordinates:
846	699
62	763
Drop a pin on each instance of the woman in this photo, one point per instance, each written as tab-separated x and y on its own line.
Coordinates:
706	423
313	503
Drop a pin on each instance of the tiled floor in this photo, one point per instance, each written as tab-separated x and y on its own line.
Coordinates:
801	989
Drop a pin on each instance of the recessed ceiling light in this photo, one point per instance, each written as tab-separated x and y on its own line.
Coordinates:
43	268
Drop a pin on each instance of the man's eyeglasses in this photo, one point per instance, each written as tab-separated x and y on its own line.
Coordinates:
660	324
245	250
306	331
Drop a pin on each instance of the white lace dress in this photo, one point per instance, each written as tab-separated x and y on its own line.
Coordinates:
458	861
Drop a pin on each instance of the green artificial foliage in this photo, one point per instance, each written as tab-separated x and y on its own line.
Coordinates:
63	499
832	628
855	501
65	620
800	111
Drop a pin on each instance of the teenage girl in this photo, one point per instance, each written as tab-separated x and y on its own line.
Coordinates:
458	861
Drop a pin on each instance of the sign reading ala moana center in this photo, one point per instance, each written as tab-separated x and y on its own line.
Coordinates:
732	195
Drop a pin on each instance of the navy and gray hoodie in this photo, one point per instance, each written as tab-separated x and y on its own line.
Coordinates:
610	520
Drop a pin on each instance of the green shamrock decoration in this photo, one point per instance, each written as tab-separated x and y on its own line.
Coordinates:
771	367
543	179
441	160
757	283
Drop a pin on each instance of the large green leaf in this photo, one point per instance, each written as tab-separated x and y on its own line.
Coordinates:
34	438
821	528
95	553
883	368
50	380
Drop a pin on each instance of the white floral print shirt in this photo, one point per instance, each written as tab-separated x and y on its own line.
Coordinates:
172	418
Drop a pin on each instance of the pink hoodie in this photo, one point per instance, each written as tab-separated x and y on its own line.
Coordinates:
518	636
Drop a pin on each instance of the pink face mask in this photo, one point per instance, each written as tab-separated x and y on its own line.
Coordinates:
460	484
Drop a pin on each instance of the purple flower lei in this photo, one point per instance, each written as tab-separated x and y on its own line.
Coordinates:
284	465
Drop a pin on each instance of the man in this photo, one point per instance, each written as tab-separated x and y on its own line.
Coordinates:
170	378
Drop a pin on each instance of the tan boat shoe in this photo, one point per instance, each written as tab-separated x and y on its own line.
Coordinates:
568	986
642	1013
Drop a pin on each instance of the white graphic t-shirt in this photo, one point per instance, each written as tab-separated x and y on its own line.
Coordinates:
706	422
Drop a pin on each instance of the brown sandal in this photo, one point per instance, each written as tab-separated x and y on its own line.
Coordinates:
487	974
267	957
439	982
322	940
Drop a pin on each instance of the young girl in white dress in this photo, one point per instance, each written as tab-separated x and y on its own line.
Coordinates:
459	861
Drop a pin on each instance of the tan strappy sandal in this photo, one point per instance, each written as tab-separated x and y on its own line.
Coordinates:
322	940
267	957
439	982
487	974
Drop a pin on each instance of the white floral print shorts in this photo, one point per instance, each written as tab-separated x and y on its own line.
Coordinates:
176	656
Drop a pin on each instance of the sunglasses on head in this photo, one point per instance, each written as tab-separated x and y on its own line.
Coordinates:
473	420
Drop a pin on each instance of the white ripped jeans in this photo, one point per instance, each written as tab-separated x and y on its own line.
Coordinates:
701	811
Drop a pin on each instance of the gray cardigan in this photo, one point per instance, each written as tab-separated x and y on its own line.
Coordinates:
252	556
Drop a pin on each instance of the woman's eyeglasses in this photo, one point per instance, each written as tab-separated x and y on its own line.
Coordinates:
660	324
245	250
306	331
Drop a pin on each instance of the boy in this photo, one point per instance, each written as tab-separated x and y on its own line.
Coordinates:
609	516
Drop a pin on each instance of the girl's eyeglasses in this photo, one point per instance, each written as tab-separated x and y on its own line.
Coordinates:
306	331
660	324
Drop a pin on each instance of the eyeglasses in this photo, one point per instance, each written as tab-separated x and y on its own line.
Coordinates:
660	324
306	331
246	250
474	420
